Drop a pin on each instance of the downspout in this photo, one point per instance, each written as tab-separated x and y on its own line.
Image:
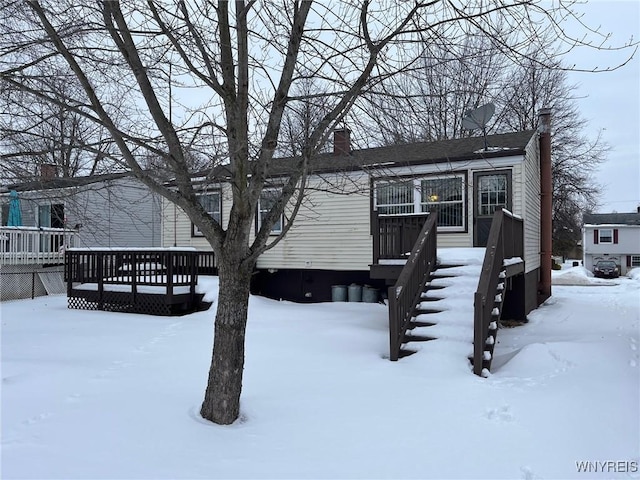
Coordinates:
546	214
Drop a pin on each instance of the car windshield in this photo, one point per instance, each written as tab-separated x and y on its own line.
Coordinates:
606	264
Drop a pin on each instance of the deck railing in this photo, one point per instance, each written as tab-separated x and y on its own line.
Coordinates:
505	240
167	272
35	245
395	235
405	295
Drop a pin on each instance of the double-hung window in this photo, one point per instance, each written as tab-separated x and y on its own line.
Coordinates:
605	235
268	198
635	261
445	193
211	202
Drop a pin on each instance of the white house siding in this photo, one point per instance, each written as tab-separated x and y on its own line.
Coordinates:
113	213
530	197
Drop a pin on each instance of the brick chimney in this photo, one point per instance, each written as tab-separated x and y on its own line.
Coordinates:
48	171
546	214
341	141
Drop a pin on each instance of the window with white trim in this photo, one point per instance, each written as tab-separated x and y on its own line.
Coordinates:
605	235
395	198
419	195
268	197
445	194
635	260
212	203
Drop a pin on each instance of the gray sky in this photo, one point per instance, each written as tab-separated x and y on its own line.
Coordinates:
611	101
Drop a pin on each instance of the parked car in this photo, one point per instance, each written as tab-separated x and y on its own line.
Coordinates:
606	268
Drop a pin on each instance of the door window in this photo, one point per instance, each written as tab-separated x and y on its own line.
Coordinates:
492	193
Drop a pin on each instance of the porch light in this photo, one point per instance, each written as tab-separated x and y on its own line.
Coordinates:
433	198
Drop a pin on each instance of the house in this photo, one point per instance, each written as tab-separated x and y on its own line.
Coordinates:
112	210
333	238
612	236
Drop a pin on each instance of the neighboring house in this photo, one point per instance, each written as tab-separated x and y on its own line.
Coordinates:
333	236
112	210
612	236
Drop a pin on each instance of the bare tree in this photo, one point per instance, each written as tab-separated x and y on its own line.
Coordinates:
575	157
35	132
241	62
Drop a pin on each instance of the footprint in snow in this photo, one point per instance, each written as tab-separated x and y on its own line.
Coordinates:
502	414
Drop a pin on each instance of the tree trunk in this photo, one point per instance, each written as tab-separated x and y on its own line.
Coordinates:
221	403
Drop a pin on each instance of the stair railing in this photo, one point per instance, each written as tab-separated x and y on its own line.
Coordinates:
405	294
505	240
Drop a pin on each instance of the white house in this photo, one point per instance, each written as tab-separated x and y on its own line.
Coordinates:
612	236
333	237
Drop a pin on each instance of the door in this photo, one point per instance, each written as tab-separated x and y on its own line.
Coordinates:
51	216
492	190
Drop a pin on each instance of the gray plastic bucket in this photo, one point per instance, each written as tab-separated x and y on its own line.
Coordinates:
355	293
338	293
369	294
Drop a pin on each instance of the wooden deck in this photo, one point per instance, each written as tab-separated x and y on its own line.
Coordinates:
153	281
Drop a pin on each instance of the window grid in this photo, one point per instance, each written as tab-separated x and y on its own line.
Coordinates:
395	198
635	260
492	193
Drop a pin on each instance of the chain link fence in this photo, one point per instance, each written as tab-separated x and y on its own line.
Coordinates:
28	281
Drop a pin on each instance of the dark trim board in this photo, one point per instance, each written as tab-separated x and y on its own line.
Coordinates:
307	285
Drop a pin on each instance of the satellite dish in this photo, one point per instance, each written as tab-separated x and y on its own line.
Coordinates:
477	119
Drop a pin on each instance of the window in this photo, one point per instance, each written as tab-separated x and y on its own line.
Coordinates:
267	200
395	198
635	260
605	235
211	202
419	195
492	193
446	195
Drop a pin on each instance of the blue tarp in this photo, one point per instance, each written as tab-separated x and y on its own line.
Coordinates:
15	214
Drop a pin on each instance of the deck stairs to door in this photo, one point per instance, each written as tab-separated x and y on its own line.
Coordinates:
446	309
456	295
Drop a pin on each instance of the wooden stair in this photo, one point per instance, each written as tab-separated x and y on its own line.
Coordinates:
492	333
418	330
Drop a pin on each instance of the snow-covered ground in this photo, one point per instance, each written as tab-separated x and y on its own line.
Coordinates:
90	394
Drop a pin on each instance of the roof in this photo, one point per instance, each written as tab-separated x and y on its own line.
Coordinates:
66	182
611	219
409	154
442	151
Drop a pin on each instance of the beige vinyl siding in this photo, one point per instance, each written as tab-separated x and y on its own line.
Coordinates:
331	231
531	211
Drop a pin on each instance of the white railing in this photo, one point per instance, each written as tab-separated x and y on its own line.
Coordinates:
35	245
